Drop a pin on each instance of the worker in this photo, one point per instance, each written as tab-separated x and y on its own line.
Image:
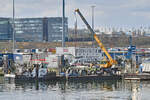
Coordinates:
141	68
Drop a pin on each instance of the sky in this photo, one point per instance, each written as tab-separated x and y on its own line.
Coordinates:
118	13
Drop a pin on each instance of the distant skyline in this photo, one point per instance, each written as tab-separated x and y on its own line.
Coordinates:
115	13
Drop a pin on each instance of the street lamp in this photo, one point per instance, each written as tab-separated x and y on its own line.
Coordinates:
63	24
13	22
93	16
93	22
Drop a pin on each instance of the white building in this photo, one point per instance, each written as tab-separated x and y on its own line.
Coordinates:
82	54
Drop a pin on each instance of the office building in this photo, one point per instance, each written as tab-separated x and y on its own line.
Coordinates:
29	29
47	29
5	29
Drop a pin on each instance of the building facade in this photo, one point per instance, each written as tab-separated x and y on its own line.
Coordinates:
5	29
80	55
29	30
55	29
47	29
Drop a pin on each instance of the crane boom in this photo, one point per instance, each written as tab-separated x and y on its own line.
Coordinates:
111	61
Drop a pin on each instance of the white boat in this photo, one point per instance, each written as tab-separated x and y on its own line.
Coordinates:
9	75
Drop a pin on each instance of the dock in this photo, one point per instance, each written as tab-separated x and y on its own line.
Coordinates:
136	76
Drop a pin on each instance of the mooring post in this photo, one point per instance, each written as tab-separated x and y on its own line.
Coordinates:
37	71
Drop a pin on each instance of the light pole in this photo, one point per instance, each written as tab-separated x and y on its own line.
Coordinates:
13	22
93	16
93	22
63	25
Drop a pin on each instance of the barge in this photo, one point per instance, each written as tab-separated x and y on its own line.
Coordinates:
70	78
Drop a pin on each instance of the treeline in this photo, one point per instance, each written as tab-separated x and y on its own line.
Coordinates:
111	40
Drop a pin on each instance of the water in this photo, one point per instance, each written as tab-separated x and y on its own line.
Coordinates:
107	90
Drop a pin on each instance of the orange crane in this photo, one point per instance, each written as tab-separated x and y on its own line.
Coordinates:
107	63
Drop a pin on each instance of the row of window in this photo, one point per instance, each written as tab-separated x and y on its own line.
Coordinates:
28	21
88	50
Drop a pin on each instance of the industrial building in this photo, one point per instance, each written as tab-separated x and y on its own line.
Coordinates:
47	29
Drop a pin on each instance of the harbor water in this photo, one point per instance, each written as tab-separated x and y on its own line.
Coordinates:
90	90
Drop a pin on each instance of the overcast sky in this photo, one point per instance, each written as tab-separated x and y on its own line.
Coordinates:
107	12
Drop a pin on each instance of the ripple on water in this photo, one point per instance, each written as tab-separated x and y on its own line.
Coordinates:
108	90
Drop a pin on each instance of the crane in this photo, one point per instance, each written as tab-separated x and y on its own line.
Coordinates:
110	61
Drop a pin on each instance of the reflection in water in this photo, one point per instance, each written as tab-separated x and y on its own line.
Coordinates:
104	90
135	92
134	87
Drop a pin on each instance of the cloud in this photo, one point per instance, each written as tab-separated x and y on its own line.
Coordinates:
5	8
136	4
107	12
142	14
